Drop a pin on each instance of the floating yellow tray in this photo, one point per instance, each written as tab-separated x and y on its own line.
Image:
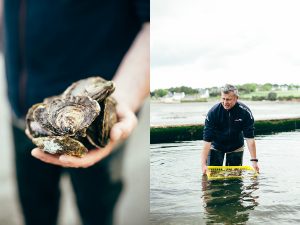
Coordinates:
229	172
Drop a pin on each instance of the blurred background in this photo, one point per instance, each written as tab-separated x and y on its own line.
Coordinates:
133	206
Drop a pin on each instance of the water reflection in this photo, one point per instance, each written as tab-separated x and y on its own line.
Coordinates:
229	201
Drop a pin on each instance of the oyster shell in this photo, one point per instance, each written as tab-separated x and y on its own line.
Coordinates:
60	145
83	113
33	128
95	87
71	116
98	133
40	117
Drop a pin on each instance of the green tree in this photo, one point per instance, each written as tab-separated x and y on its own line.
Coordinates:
276	86
160	93
272	96
214	91
186	90
266	87
247	88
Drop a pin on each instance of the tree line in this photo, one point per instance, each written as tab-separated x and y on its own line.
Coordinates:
215	91
164	92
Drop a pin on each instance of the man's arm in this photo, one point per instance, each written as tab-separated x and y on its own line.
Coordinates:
208	136
204	155
132	81
248	131
252	149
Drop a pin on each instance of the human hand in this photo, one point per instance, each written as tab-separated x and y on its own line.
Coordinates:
255	166
204	168
127	121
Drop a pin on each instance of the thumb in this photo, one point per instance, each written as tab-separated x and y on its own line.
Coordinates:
122	129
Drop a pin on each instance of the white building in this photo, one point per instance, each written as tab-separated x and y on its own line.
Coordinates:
173	97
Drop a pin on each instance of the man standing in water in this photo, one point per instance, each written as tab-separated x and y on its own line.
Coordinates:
226	125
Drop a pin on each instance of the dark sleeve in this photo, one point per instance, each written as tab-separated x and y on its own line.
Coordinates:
248	127
143	10
209	128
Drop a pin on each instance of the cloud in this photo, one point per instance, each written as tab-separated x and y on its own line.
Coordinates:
209	43
213	42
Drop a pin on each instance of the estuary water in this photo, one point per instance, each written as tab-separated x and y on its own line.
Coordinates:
180	195
195	112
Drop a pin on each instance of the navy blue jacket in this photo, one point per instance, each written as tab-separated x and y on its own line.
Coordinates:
226	129
50	44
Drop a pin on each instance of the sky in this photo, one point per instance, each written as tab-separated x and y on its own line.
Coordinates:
210	43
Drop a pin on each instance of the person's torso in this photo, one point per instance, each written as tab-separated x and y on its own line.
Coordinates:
50	44
228	127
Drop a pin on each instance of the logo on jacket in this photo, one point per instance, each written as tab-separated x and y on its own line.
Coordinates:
238	120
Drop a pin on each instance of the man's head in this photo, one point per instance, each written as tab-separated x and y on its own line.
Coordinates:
229	96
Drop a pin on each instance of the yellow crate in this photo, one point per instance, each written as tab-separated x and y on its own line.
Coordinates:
229	172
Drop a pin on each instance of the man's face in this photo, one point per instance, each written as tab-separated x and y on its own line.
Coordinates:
228	100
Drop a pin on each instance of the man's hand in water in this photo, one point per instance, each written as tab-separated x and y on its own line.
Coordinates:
204	169
255	166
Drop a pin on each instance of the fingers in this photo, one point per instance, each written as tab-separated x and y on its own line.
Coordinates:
92	157
127	121
204	170
255	166
124	127
45	157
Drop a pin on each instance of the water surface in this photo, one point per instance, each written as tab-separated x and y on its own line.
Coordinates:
180	195
195	113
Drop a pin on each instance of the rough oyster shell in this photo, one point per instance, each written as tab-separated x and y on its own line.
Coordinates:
95	87
62	122
98	133
33	128
40	116
69	116
60	145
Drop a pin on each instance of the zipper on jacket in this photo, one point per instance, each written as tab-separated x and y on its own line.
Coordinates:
229	123
23	72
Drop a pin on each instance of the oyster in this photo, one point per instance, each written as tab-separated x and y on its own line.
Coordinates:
60	145
98	132
95	87
33	128
83	113
71	116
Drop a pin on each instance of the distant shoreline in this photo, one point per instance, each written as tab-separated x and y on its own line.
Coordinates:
217	99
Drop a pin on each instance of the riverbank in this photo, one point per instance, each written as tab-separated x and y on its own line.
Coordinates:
189	132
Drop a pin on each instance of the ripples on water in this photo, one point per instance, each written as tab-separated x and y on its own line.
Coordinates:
179	194
229	201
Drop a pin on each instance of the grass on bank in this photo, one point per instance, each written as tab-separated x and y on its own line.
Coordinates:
292	94
169	134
